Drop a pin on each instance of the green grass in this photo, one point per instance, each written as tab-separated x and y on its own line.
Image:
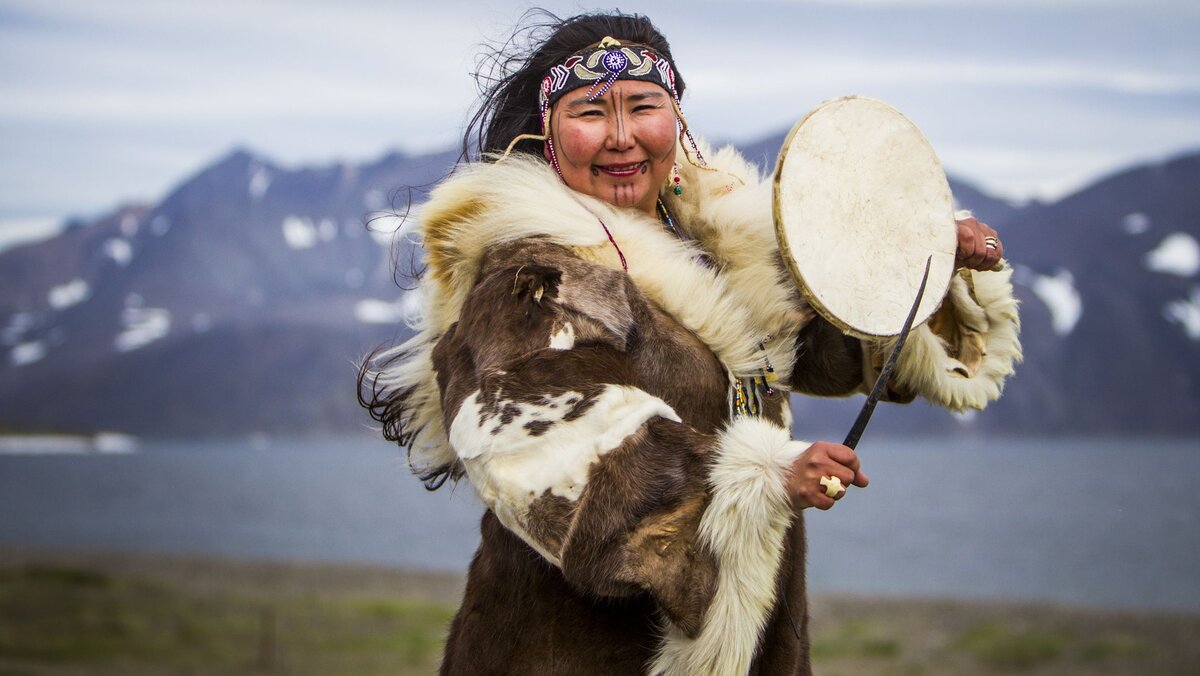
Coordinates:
164	616
57	615
998	646
1115	646
1006	649
856	638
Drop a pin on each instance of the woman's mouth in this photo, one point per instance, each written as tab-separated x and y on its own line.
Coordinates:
624	170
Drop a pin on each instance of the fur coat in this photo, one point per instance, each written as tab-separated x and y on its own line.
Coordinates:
633	524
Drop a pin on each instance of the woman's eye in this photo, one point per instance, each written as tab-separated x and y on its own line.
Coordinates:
592	113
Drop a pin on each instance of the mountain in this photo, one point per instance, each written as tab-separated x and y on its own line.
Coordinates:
238	303
1109	279
241	301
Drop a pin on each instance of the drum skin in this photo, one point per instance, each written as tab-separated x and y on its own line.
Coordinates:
861	201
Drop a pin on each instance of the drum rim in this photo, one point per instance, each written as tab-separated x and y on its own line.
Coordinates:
785	248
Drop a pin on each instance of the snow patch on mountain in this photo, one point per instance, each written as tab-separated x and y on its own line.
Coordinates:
27	353
387	228
299	232
964	417
1061	298
1135	223
414	308
1178	254
64	296
17	325
143	325
259	182
405	309
375	311
119	250
1186	313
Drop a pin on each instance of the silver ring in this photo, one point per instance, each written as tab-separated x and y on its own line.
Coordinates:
991	242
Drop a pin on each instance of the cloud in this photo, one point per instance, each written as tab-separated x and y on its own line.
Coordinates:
775	65
17	231
1183	6
105	101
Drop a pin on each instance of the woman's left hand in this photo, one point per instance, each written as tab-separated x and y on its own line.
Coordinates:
979	247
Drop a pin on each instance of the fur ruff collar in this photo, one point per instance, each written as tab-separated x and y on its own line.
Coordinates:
743	301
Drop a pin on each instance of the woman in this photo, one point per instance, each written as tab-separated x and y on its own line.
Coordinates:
609	337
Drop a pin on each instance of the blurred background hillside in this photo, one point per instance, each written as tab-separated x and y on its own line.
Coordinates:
239	303
187	190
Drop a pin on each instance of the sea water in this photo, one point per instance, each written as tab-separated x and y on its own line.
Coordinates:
1090	522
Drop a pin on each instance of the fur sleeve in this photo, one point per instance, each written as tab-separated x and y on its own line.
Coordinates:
961	357
602	478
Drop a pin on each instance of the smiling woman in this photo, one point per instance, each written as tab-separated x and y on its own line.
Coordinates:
619	147
608	341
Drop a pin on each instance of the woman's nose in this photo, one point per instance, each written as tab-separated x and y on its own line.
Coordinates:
619	137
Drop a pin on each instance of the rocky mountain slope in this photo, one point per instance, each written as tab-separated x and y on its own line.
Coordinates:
241	302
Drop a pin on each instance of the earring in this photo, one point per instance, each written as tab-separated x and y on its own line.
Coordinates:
678	189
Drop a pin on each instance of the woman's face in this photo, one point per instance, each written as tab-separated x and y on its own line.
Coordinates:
619	147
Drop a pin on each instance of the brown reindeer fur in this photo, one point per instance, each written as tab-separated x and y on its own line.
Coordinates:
633	525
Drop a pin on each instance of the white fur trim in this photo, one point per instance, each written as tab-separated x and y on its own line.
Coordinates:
513	467
730	309
429	446
984	302
744	527
520	192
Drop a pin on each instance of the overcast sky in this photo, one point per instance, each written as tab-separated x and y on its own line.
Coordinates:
108	101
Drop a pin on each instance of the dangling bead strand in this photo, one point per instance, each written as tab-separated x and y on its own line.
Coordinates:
624	265
665	217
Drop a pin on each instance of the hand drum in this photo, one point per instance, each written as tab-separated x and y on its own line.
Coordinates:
861	202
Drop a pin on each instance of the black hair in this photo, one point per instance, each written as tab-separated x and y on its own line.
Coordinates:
509	75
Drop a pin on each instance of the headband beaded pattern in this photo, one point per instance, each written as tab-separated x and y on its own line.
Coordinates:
603	64
599	66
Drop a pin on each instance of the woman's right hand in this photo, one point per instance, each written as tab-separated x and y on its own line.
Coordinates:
823	459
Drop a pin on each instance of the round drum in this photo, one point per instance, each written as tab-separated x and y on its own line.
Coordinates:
861	202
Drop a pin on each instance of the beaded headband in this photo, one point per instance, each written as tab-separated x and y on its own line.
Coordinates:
603	64
599	66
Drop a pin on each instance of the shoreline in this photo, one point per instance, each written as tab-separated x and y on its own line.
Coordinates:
352	618
445	586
